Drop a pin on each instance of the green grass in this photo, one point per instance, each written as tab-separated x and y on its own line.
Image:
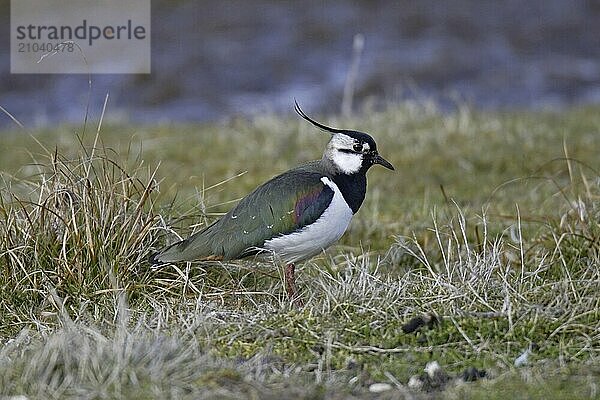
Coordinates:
490	222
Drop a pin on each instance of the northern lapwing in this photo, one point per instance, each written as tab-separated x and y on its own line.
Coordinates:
295	215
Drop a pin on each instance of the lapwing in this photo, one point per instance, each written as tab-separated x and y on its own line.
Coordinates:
295	215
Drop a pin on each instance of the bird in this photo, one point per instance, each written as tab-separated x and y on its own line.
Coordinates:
295	215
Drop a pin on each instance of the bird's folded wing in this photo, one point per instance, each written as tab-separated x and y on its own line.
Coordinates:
283	205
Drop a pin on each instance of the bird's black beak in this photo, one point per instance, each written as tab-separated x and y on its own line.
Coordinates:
377	159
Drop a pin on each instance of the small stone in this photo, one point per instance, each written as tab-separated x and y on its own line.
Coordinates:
436	378
433	368
472	374
415	382
417	323
380	387
523	359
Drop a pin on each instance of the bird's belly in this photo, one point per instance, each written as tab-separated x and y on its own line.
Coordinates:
316	237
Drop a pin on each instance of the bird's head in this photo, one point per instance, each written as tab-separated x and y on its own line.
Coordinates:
348	151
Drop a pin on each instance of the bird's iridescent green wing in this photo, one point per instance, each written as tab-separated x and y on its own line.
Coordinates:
283	205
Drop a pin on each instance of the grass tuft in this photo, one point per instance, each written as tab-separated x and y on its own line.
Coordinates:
78	229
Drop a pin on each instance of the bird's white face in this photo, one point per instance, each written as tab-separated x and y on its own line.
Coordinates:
346	153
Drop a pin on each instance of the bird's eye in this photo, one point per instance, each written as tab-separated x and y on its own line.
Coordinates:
358	147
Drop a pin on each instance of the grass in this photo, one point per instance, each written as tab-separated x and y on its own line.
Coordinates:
490	224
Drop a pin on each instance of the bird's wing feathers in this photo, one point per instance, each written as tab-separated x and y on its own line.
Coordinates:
282	205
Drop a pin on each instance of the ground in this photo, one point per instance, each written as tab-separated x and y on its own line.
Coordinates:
487	234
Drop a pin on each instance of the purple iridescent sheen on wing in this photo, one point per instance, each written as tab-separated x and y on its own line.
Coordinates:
304	202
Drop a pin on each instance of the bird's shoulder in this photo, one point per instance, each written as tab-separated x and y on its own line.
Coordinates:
293	190
298	179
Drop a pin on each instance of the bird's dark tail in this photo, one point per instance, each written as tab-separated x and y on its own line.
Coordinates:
166	255
153	259
195	248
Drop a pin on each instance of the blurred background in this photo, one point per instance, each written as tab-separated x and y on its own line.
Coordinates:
217	59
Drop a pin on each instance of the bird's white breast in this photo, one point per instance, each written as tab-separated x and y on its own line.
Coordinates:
316	237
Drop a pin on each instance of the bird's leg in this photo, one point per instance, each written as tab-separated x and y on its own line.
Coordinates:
290	284
290	280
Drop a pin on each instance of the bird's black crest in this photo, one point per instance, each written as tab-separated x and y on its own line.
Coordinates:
360	136
315	123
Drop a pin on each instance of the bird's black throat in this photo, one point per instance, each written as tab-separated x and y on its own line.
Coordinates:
353	187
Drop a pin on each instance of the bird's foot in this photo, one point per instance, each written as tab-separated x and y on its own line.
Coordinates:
290	285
